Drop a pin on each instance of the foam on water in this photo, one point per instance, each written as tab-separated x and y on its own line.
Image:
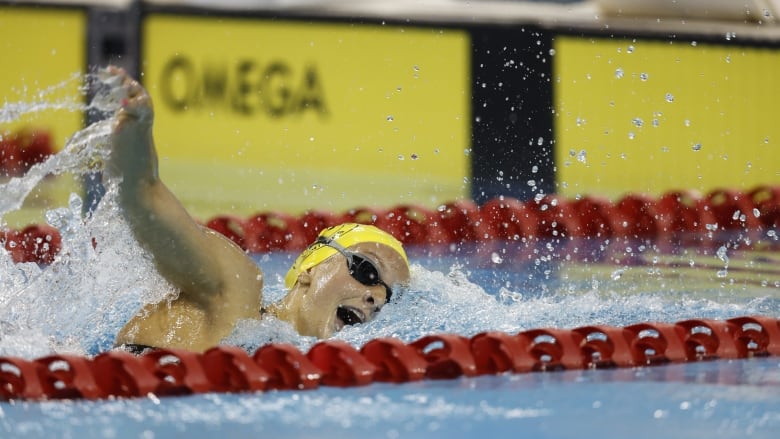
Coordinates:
453	301
79	302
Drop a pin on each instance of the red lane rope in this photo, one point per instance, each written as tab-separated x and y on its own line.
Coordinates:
676	217
20	150
336	363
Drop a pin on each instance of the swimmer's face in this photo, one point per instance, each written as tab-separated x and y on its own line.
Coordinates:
328	297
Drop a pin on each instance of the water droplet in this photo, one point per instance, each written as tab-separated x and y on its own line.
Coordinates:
669	97
414	156
630	49
643	76
756	212
619	73
496	258
582	156
400	156
552	52
721	254
534	169
617	274
693	43
631	136
638	122
540	141
696	147
390	118
722	273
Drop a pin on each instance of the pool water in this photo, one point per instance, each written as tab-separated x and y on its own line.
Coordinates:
720	399
460	294
101	277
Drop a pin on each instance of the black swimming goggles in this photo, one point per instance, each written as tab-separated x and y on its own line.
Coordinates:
360	268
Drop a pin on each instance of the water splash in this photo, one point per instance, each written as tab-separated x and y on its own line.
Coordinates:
12	111
101	276
84	152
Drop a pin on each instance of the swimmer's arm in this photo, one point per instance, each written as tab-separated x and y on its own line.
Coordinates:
199	262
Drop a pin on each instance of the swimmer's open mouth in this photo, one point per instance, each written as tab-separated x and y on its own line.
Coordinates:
350	315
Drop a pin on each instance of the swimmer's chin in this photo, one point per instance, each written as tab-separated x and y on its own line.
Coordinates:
338	325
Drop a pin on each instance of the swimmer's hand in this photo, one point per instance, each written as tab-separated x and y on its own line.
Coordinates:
134	102
109	93
132	151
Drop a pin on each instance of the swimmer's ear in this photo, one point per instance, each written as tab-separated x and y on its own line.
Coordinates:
304	278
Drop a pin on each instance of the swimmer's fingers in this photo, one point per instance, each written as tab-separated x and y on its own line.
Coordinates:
137	104
132	99
117	77
112	76
133	88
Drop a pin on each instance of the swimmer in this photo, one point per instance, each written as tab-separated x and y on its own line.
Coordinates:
345	277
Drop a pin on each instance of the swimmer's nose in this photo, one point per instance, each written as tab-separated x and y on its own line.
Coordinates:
374	300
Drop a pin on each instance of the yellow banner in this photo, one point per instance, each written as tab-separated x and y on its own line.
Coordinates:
256	115
652	116
43	54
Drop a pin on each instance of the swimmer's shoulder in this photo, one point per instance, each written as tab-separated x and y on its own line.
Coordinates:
240	291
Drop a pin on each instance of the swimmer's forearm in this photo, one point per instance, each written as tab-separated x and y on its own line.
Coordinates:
156	217
133	156
164	228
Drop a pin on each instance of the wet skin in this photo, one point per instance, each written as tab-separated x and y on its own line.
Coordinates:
217	283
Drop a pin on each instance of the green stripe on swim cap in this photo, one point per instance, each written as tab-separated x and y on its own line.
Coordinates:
347	235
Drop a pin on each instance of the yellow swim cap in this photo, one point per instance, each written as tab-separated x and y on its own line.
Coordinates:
346	235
